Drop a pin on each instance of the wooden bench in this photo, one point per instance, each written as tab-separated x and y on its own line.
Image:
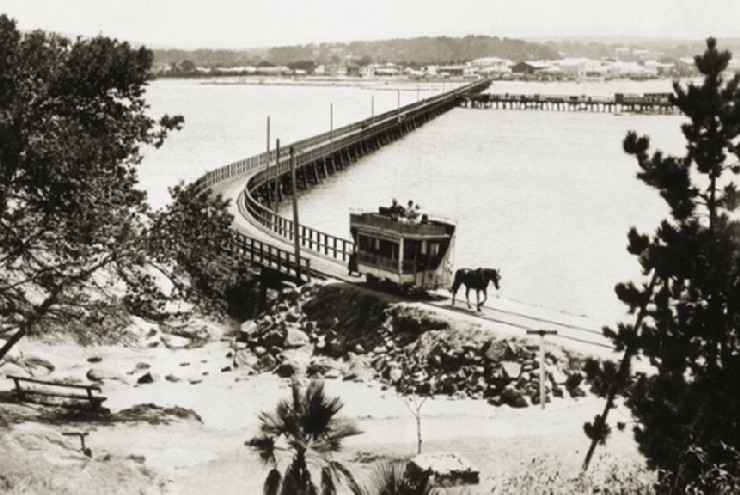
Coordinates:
41	388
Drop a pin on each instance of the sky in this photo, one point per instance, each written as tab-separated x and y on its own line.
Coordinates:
266	23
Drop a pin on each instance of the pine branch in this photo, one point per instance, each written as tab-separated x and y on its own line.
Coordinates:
630	351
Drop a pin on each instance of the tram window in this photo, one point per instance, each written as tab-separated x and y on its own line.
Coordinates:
366	243
433	249
386	248
410	250
382	247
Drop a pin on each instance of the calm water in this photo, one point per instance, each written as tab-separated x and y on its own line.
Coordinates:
547	197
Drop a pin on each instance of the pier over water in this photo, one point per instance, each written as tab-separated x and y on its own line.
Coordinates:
648	103
265	179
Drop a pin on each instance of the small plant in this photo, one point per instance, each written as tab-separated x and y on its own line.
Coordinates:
305	430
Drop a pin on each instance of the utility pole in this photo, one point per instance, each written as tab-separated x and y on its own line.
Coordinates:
398	105
278	189
296	225
543	375
331	127
267	166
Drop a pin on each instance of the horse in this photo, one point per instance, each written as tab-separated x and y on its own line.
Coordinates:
477	279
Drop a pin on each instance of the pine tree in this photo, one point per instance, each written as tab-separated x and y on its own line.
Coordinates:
688	312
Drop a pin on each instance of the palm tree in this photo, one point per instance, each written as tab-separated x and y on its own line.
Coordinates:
388	478
306	428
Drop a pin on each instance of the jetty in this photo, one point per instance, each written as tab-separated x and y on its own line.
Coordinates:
647	104
259	183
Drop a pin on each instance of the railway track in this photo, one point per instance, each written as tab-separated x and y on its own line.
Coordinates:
574	332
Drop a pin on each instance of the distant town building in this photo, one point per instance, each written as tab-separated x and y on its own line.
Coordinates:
530	67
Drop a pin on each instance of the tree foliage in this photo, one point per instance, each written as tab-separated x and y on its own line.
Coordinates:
189	241
687	314
73	119
307	429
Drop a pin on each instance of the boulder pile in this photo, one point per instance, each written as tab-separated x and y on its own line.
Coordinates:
338	331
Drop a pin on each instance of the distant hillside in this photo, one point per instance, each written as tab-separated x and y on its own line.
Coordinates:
597	47
412	51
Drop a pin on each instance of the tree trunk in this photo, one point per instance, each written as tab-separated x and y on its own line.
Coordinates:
629	353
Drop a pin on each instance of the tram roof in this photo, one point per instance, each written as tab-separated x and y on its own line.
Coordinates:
370	221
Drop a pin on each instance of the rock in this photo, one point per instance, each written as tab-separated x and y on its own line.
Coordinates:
195	381
147	378
265	363
359	349
293	316
174	341
259	351
332	374
510	393
395	374
496	350
37	363
140	366
94	359
273	338
297	359
557	377
358	371
245	359
101	375
285	370
520	402
172	378
191	330
225	369
512	369
295	338
381	349
248	329
444	469
291	294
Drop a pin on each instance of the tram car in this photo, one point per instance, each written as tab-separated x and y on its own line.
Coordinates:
408	253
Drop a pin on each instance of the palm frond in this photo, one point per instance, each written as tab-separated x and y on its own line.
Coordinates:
265	447
341	472
272	483
328	487
319	410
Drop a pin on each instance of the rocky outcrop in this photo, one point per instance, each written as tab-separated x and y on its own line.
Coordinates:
337	330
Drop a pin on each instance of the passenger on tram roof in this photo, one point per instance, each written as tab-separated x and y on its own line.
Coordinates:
396	210
412	212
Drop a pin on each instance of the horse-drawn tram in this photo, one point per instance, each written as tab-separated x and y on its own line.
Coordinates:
407	252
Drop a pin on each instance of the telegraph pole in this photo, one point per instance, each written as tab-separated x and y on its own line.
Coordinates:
278	190
267	166
296	225
543	375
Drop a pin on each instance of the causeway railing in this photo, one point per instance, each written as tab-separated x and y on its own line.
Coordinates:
266	165
324	145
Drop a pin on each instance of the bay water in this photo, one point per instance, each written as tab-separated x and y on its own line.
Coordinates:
547	197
